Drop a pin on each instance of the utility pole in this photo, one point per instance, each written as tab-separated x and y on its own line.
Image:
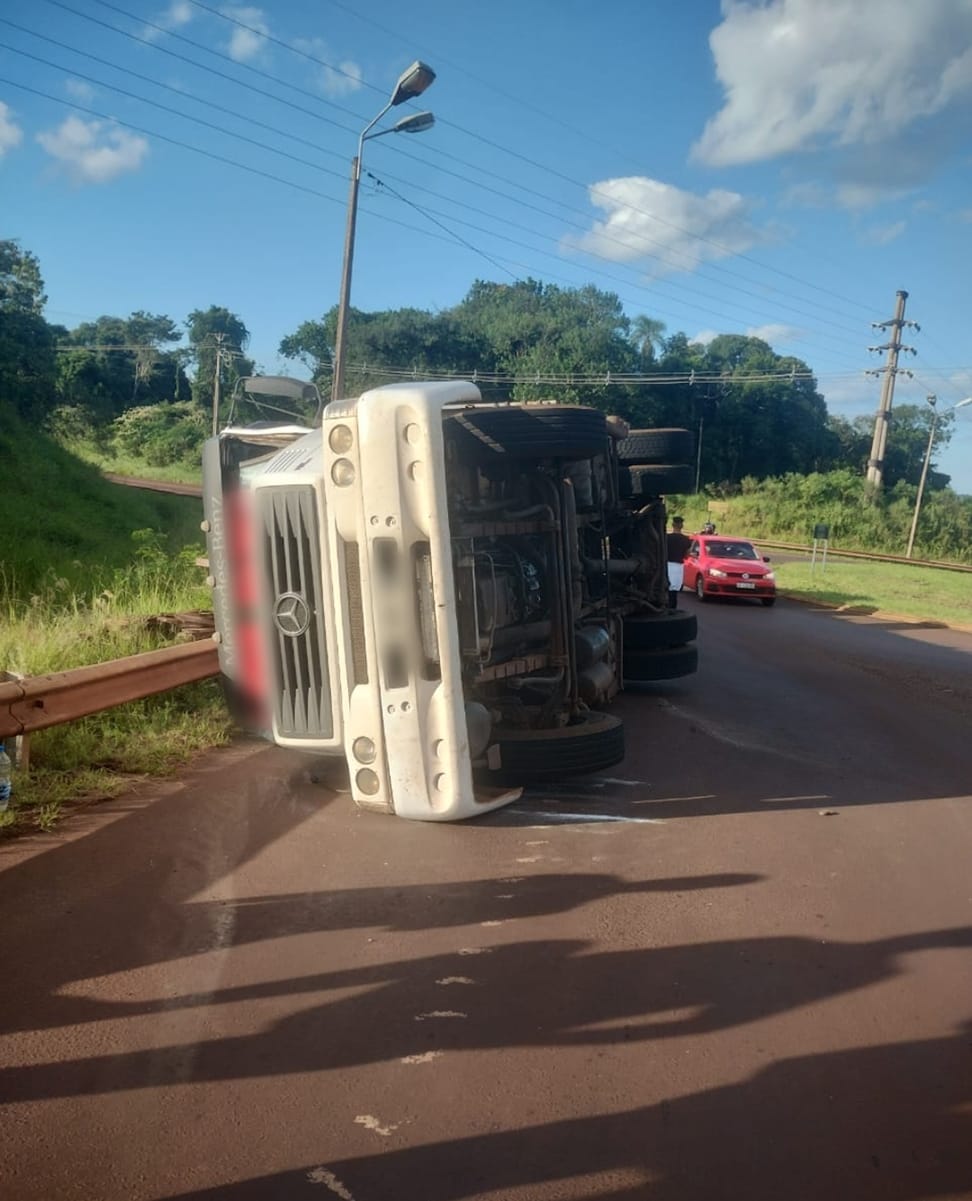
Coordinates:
932	400
217	383
875	464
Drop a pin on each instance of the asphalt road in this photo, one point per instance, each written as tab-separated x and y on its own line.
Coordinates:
740	967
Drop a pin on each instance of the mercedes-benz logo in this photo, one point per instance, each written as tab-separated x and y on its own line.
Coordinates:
291	614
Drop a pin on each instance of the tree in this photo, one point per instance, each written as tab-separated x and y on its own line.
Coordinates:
648	336
108	365
908	441
28	360
208	329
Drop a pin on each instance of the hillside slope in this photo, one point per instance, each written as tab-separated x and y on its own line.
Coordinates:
61	521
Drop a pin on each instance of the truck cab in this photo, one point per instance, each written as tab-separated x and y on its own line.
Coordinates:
445	592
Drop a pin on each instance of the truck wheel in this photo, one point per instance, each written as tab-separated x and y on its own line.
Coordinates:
536	432
656	446
661	478
652	631
667	664
592	743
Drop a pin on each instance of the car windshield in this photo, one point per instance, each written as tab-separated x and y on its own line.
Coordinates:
731	550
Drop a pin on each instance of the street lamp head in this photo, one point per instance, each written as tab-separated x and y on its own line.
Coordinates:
414	123
932	399
412	82
962	403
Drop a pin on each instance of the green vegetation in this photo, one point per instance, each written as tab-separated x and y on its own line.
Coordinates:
59	628
925	593
787	509
82	562
65	529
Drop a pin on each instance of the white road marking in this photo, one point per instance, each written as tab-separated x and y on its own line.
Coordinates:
425	1057
579	818
475	950
623	783
512	880
492	923
539	842
440	1013
372	1123
530	859
505	896
330	1181
456	980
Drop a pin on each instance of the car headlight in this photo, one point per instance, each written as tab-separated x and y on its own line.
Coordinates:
714	571
770	575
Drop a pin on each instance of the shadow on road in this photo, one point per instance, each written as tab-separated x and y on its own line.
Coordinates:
883	1123
553	993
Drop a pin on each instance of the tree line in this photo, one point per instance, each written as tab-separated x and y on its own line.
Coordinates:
147	382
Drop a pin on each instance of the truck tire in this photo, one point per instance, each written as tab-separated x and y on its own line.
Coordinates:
661	478
656	446
536	432
593	743
666	664
655	631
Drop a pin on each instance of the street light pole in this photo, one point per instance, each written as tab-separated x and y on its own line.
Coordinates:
411	83
932	400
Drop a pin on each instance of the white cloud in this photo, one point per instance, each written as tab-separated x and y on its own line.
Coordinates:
11	135
773	333
881	235
341	79
179	13
802	74
246	44
79	90
673	230
92	151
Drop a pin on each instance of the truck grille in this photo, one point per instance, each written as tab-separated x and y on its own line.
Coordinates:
298	651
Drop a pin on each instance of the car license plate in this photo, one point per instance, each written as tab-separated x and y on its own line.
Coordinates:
745	584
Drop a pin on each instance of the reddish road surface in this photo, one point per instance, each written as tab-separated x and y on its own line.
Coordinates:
754	981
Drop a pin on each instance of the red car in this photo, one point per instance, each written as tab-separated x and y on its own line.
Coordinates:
718	566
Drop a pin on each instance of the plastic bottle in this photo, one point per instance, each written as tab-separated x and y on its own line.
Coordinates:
6	769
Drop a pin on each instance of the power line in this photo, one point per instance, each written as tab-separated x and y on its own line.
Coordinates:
597	141
425	213
174	111
261	33
313	58
275	150
158	83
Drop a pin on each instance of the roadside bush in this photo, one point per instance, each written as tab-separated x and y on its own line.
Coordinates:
162	433
860	518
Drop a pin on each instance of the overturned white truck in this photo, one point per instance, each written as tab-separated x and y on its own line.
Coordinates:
443	591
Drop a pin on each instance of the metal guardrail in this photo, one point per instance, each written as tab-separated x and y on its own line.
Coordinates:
41	701
867	555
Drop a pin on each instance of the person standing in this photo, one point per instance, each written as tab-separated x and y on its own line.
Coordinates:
678	544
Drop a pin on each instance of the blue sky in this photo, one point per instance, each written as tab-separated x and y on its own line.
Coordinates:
780	167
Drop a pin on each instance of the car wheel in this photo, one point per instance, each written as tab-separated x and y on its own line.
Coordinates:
651	631
669	664
700	588
534	432
656	446
768	601
592	743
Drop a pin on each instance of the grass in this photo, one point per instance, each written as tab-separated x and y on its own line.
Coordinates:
82	563
925	593
117	462
63	527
